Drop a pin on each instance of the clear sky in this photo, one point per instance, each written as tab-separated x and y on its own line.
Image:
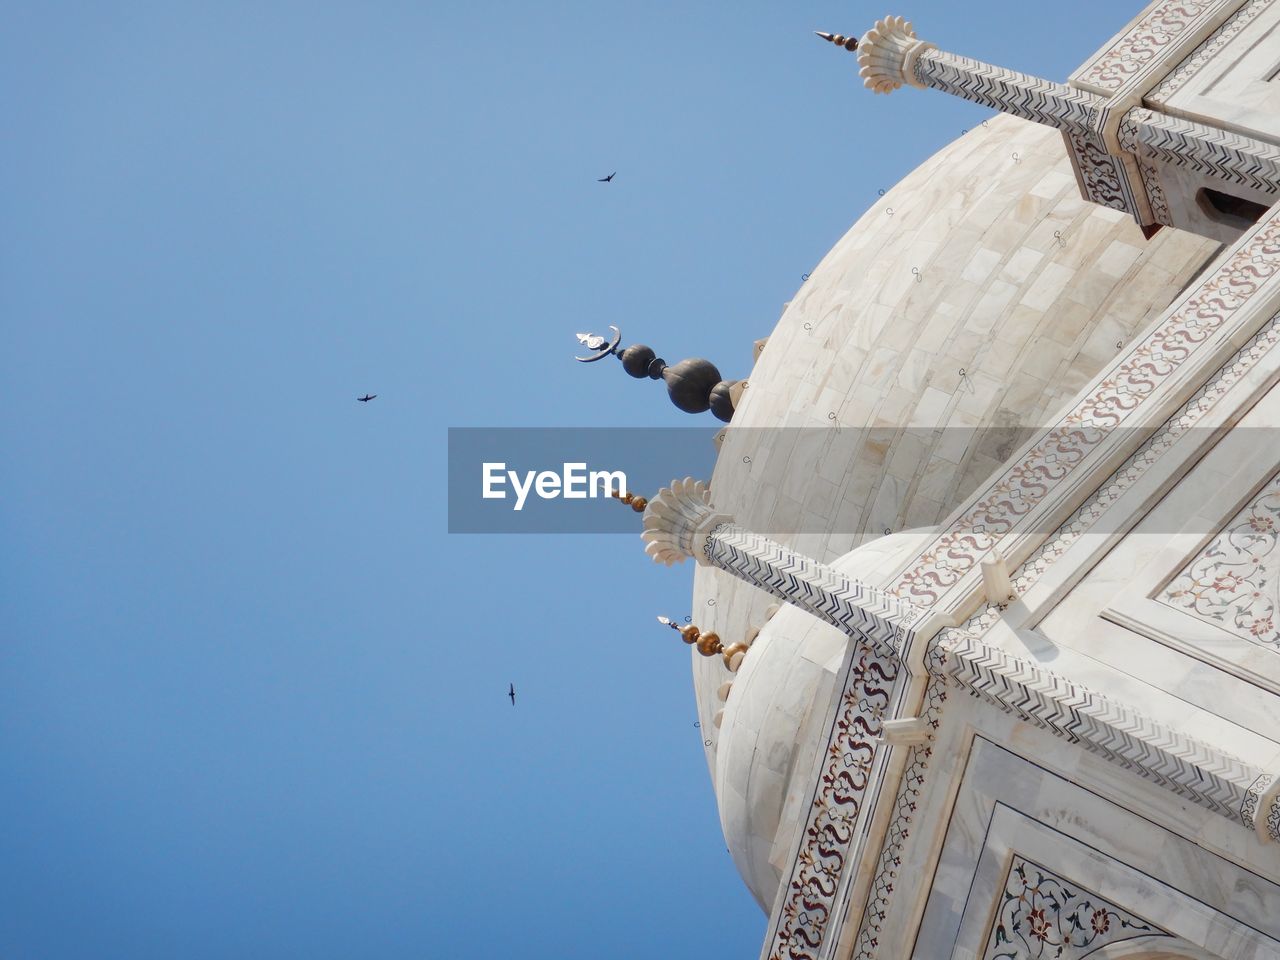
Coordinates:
252	694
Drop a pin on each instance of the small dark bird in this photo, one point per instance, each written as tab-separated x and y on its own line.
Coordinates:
367	397
512	694
608	178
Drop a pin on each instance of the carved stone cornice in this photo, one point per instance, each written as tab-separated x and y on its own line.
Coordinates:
1226	156
1203	773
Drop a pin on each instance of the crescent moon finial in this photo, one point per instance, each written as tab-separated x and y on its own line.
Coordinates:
596	342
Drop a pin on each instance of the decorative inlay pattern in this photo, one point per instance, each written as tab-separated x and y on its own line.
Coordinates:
1207	50
1222	154
1103	181
1155	194
860	610
1198	771
1232	582
808	899
1084	519
1043	915
1140	46
1150	176
904	811
1025	485
1032	98
1249	811
1092	510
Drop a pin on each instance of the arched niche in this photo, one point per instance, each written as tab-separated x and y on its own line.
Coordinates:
1153	948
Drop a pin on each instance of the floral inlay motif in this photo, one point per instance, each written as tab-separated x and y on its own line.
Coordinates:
1232	582
1043	915
1085	518
1150	364
808	905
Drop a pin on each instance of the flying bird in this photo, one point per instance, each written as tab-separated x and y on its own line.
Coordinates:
512	694
608	178
367	397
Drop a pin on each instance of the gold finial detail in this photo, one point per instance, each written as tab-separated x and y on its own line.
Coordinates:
708	644
637	503
849	43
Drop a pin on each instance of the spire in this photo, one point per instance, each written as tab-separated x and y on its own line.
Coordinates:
708	644
694	385
635	503
849	43
890	55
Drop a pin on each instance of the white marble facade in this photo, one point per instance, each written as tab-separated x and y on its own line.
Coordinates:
1075	753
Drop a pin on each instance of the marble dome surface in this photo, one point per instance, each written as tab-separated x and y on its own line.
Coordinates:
774	721
981	291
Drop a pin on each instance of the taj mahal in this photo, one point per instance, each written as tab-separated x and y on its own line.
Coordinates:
986	630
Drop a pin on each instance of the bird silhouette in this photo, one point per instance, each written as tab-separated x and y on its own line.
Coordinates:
608	178
367	397
512	694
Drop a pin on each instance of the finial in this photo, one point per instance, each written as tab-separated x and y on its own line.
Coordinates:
636	503
678	521
888	55
694	385
708	644
593	341
849	43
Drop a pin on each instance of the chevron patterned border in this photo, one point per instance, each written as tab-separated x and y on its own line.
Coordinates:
860	610
1197	771
1231	158
1020	94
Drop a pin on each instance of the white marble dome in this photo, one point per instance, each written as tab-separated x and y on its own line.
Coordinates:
774	721
980	291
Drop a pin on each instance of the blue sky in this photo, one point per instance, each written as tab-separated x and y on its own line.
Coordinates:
252	694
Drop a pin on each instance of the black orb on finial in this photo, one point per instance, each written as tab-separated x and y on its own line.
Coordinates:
640	361
690	383
694	385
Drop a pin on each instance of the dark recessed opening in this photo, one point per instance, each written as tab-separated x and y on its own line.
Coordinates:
1231	210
